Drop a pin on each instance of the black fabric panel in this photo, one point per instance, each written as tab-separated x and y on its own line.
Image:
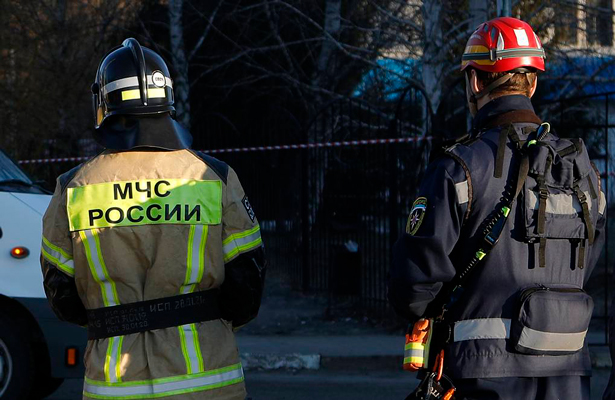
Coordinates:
66	177
243	286
62	295
125	132
219	167
142	316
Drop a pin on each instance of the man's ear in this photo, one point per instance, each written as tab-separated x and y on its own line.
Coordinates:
475	83
534	86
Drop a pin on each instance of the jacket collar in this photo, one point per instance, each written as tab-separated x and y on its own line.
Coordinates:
128	132
504	110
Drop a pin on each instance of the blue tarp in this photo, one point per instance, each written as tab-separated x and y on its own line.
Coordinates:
388	77
560	79
564	76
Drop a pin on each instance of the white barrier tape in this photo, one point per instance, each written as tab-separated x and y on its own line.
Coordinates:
261	148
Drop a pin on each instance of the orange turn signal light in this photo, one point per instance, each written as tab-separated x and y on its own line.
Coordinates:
71	356
19	252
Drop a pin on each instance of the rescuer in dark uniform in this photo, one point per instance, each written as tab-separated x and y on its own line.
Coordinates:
153	246
514	328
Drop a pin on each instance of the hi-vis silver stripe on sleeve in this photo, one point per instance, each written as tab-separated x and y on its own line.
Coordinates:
462	192
132	81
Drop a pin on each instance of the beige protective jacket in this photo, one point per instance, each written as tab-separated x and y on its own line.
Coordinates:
139	225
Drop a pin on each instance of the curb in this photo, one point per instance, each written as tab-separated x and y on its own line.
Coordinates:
270	362
296	361
600	356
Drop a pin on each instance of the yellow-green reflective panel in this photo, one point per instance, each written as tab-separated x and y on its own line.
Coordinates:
145	202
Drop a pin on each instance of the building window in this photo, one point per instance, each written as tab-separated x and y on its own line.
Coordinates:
566	24
599	22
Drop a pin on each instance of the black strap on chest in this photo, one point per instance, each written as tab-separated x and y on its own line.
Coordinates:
148	315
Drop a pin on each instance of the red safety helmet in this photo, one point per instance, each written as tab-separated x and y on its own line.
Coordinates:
504	44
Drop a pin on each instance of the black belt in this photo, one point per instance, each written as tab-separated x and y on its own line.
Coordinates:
153	314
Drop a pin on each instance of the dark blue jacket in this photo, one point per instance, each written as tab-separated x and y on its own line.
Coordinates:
459	191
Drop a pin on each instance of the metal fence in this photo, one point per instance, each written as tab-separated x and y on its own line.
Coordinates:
331	207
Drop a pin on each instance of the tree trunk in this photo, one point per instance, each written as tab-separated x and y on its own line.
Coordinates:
332	25
433	60
181	85
479	13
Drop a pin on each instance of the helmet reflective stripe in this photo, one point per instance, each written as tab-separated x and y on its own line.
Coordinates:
503	54
132	81
135	94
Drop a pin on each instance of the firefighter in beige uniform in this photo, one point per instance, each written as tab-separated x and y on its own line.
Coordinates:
153	246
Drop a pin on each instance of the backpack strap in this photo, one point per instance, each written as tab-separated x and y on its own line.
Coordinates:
581	262
586	215
542	219
592	189
573	148
544	195
499	159
542	253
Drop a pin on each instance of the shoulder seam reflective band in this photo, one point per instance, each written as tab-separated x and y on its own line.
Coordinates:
482	328
166	386
131	81
58	257
241	242
601	203
97	267
462	192
560	204
551	341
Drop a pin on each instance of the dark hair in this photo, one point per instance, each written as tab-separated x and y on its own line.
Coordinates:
518	84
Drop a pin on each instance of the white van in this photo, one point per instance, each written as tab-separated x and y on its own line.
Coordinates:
37	350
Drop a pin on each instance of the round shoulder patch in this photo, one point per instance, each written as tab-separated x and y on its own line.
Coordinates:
419	207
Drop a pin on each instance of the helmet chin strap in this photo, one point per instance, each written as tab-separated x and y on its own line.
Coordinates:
497	83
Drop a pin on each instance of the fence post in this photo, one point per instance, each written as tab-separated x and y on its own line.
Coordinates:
607	280
393	185
305	219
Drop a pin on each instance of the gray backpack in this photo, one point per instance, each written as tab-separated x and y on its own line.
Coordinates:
561	200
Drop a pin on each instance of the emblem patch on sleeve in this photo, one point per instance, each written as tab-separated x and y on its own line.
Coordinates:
248	207
416	215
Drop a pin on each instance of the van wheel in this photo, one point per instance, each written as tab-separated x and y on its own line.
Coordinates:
16	359
48	387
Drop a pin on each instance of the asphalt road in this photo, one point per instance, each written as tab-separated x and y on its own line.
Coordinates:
325	385
304	385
